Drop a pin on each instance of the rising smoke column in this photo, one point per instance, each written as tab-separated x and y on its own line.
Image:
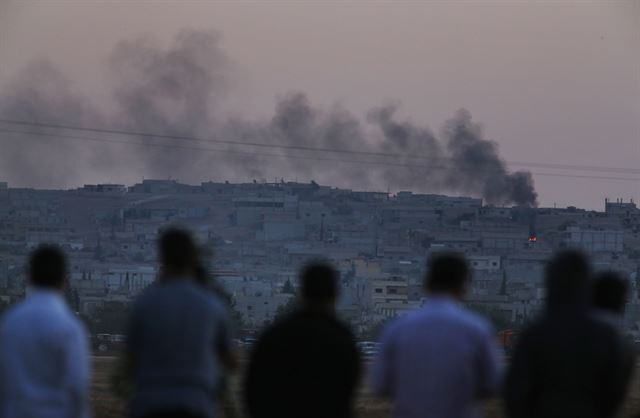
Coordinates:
42	93
478	169
180	90
172	91
421	167
299	124
461	161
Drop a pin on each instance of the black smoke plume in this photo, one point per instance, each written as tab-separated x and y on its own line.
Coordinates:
181	90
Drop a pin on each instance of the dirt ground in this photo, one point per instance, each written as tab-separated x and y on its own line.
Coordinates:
367	406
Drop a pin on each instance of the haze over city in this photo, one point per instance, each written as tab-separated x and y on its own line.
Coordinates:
549	83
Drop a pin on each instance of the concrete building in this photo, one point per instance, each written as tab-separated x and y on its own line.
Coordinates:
103	189
594	240
485	262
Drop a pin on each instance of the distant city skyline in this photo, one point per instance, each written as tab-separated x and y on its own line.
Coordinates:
120	189
549	82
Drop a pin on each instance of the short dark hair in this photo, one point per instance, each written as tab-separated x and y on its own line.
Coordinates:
319	282
47	266
568	279
610	292
447	273
178	251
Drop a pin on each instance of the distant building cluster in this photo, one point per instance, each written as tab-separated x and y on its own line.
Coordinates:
259	234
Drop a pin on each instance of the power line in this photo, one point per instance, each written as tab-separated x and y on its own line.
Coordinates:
216	150
574	167
302	157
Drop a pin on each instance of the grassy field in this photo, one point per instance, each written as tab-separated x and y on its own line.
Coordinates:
367	406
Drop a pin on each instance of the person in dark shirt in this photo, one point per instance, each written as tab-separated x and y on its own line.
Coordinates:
306	364
566	364
609	299
178	344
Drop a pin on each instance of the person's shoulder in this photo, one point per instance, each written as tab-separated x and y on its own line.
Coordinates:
279	331
25	311
280	325
536	330
70	327
299	320
396	325
322	319
325	328
76	324
455	315
340	328
284	323
474	319
161	290
59	320
474	322
148	293
13	315
412	320
214	303
603	330
208	304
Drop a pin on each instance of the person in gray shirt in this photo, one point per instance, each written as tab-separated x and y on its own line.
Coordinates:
178	343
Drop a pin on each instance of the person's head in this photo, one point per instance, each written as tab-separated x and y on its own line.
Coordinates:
178	253
319	287
609	292
568	280
47	267
448	274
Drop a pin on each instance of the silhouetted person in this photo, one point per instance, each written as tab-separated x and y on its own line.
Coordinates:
178	343
44	356
440	360
567	363
609	299
306	364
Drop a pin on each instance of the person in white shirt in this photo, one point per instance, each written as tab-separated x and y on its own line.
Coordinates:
44	359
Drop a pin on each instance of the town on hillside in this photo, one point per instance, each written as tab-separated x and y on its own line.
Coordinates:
258	234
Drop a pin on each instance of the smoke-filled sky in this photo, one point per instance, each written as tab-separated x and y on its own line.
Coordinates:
548	82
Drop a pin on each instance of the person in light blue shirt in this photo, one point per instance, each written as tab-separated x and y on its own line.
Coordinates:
44	359
439	361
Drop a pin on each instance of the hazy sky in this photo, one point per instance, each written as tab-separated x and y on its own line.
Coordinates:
550	82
